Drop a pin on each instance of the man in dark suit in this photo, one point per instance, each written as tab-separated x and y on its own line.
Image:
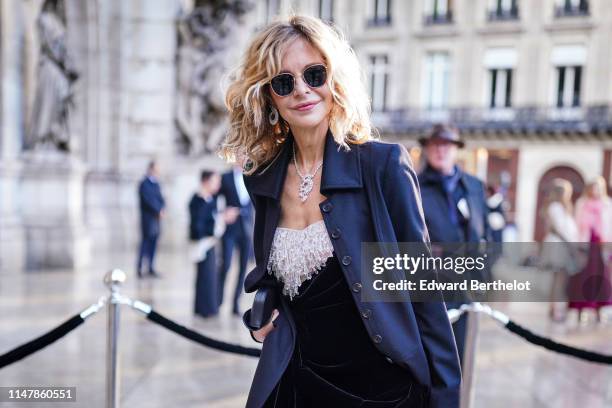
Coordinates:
454	202
151	211
239	233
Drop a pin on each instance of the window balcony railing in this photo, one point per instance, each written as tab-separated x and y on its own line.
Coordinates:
435	115
592	119
498	114
379	21
503	14
572	113
435	18
569	10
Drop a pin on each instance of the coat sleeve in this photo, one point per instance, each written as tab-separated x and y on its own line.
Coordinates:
246	181
403	199
487	231
246	314
151	199
267	278
194	232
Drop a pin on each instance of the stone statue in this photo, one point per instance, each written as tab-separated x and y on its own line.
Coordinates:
207	37
49	127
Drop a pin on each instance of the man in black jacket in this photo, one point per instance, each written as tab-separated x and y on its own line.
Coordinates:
151	211
454	202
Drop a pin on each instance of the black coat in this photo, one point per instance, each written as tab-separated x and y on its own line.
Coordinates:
201	217
439	224
372	196
229	191
151	203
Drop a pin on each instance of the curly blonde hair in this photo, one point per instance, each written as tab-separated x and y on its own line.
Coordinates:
251	140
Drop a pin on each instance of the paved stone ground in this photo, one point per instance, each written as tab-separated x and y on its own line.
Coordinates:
160	369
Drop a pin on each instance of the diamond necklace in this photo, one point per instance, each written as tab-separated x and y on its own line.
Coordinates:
307	180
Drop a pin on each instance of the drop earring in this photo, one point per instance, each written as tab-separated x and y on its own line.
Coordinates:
273	116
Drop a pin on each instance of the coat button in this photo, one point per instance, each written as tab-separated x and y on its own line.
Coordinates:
335	233
346	260
327	207
366	314
356	287
377	338
389	360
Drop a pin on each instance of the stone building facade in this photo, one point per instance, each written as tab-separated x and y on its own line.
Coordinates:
529	83
58	209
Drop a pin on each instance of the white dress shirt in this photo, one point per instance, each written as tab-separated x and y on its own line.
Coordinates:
243	194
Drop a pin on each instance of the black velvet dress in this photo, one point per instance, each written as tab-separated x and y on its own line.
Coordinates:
334	363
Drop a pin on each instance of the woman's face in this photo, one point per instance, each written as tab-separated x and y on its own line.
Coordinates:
595	191
305	107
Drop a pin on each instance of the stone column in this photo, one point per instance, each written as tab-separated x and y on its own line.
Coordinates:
146	65
125	52
12	248
52	175
52	193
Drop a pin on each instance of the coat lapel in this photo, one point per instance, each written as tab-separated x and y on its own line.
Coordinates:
340	170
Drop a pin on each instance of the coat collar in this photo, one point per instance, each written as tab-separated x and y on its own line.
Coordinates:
429	175
341	169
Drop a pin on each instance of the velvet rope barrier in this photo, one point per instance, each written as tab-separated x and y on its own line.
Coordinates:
200	338
536	339
51	336
40	342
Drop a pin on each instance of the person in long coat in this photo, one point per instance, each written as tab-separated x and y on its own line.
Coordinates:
237	235
202	223
321	186
454	201
152	205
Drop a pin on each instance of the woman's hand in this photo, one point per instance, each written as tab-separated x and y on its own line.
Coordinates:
261	334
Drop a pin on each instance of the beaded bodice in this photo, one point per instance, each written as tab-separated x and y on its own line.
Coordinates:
296	255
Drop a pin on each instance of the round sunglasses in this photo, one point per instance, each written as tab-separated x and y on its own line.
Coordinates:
314	76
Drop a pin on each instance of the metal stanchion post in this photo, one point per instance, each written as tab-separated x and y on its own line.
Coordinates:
469	358
113	280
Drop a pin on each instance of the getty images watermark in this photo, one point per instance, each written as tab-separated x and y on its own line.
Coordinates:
466	272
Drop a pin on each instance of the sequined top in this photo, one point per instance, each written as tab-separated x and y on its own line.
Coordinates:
296	255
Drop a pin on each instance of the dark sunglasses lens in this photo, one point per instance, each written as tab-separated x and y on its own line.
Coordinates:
315	76
282	84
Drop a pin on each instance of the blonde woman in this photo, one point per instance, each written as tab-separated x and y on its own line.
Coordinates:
562	233
594	220
321	186
594	212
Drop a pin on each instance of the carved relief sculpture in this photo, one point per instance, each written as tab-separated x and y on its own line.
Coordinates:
49	127
205	38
